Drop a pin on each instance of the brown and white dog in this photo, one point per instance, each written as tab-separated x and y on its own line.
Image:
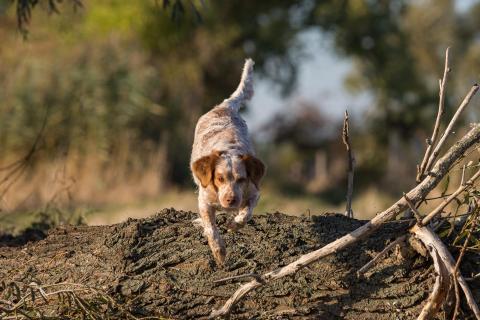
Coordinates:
224	165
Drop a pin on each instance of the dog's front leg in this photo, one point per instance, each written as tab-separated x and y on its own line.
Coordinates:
210	229
244	214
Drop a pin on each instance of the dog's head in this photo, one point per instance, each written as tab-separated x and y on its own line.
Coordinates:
229	175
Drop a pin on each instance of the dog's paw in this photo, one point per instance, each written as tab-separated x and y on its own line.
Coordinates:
234	226
198	222
220	258
219	253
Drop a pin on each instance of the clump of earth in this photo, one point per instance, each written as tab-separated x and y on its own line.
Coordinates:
161	266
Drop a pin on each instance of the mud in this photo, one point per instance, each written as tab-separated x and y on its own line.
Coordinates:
161	266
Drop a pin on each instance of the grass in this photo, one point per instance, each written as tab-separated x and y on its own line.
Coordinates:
365	205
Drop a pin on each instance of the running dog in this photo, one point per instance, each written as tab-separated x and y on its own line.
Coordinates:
224	165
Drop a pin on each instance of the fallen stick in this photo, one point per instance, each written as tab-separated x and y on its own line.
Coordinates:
366	267
459	260
431	239
242	276
441	168
440	288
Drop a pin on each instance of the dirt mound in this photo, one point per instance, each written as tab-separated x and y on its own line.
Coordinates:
161	266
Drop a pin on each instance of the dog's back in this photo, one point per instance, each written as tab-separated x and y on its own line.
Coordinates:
222	128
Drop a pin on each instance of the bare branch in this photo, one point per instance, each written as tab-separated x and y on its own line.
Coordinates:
242	276
440	288
441	110
370	264
441	168
454	195
447	132
431	240
457	264
351	165
413	209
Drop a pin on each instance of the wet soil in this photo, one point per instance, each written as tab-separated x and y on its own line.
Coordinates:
161	266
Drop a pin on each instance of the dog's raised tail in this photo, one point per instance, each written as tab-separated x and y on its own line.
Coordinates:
244	91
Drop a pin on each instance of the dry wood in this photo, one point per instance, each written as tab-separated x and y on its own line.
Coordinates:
450	198
440	288
431	240
370	264
242	276
441	168
441	110
449	128
351	165
413	209
457	264
457	298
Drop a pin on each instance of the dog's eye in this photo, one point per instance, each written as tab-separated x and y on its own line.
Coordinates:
220	179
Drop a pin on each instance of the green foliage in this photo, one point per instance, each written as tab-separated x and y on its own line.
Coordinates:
89	101
120	80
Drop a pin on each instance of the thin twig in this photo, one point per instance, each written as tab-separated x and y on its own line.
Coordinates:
454	195
457	296
417	214
351	165
438	197
242	276
441	110
441	168
17	168
449	128
24	307
457	264
367	266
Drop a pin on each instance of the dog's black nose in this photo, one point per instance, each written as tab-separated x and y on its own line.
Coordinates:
230	200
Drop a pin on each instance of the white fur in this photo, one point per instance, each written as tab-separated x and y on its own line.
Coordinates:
244	91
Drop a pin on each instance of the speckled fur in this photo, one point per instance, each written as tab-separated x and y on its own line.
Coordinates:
221	136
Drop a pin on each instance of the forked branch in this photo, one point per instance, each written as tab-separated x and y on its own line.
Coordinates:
432	241
449	128
418	193
441	110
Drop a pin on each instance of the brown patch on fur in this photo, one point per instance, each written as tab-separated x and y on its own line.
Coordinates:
204	168
230	137
255	169
221	112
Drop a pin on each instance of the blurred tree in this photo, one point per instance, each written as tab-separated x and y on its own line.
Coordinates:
24	9
121	78
119	71
201	64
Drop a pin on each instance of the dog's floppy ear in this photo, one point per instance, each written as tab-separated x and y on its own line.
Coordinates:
255	168
203	168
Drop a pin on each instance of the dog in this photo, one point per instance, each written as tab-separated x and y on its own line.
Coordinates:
224	165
